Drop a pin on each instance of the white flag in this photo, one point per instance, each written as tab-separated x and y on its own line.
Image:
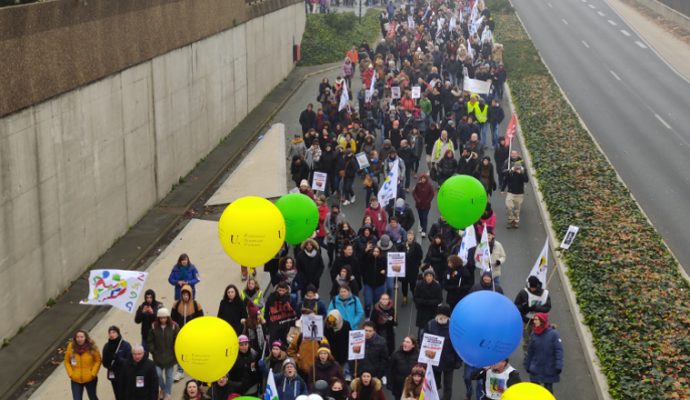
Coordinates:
271	392
469	240
344	98
429	389
541	266
470	51
482	255
389	189
115	287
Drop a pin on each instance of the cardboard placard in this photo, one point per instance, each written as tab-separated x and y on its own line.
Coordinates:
396	265
356	345
430	350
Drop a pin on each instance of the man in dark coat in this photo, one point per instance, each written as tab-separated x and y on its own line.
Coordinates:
375	353
310	262
450	361
427	296
544	357
495	117
139	378
307	119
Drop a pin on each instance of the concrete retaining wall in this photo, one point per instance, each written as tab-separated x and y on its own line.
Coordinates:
79	169
677	11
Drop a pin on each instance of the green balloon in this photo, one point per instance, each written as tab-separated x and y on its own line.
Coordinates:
301	217
461	201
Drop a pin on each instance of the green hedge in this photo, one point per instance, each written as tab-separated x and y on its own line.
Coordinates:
327	37
628	286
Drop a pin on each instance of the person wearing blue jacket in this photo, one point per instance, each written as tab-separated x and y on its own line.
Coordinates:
544	358
348	305
184	273
289	383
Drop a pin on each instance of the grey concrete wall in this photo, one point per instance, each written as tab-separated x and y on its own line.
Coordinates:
78	170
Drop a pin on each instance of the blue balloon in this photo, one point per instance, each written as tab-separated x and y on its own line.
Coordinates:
485	328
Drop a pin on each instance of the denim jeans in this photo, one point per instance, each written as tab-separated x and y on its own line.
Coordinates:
165	378
467	377
423	218
483	132
78	390
372	294
548	386
494	134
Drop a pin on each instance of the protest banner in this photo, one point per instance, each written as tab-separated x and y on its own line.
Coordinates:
356	345
430	350
115	287
396	265
319	181
476	86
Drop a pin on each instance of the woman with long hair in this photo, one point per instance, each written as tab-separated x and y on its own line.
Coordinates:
82	362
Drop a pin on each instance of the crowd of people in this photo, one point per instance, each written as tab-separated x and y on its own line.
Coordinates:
433	46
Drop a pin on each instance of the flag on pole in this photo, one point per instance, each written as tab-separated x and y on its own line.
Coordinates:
469	240
115	287
344	98
389	189
429	389
510	130
541	266
482	255
271	392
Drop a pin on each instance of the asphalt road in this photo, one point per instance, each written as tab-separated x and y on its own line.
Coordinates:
522	248
634	104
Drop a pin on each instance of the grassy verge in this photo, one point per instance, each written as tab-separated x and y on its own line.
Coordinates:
327	37
633	298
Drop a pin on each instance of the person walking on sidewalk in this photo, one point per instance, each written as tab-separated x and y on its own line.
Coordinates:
139	378
161	343
514	181
544	357
184	273
146	315
116	353
183	311
82	362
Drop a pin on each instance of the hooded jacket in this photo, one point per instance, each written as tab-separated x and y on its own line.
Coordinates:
423	193
379	218
337	332
232	312
310	264
376	392
350	309
161	343
144	318
544	358
183	312
188	274
290	388
522	302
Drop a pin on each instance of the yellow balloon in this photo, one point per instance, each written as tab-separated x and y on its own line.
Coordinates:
206	348
251	230
527	391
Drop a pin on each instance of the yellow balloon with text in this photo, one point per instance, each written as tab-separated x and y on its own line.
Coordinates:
527	391
251	231
206	348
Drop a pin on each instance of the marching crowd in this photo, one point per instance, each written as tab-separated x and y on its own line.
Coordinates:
412	110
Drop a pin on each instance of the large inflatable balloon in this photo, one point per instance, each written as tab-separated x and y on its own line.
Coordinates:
301	216
251	231
527	391
461	200
485	328
206	348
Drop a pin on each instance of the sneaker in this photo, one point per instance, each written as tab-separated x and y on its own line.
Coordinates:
178	376
419	229
346	202
352	200
423	234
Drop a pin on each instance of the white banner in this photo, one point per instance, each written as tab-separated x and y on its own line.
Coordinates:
482	254
569	237
362	160
396	265
416	92
395	92
469	240
476	86
389	189
430	350
312	326
541	266
344	98
115	287
319	181
356	345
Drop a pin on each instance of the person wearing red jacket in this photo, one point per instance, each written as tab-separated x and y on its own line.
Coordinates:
378	215
423	193
323	212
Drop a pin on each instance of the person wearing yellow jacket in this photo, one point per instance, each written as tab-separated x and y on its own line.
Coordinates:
481	112
82	362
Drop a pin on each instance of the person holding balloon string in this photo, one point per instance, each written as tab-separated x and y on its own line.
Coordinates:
496	379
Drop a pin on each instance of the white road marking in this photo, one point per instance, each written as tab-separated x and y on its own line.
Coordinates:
592	6
614	75
642	45
626	33
613	23
586	44
601	14
662	121
564	21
